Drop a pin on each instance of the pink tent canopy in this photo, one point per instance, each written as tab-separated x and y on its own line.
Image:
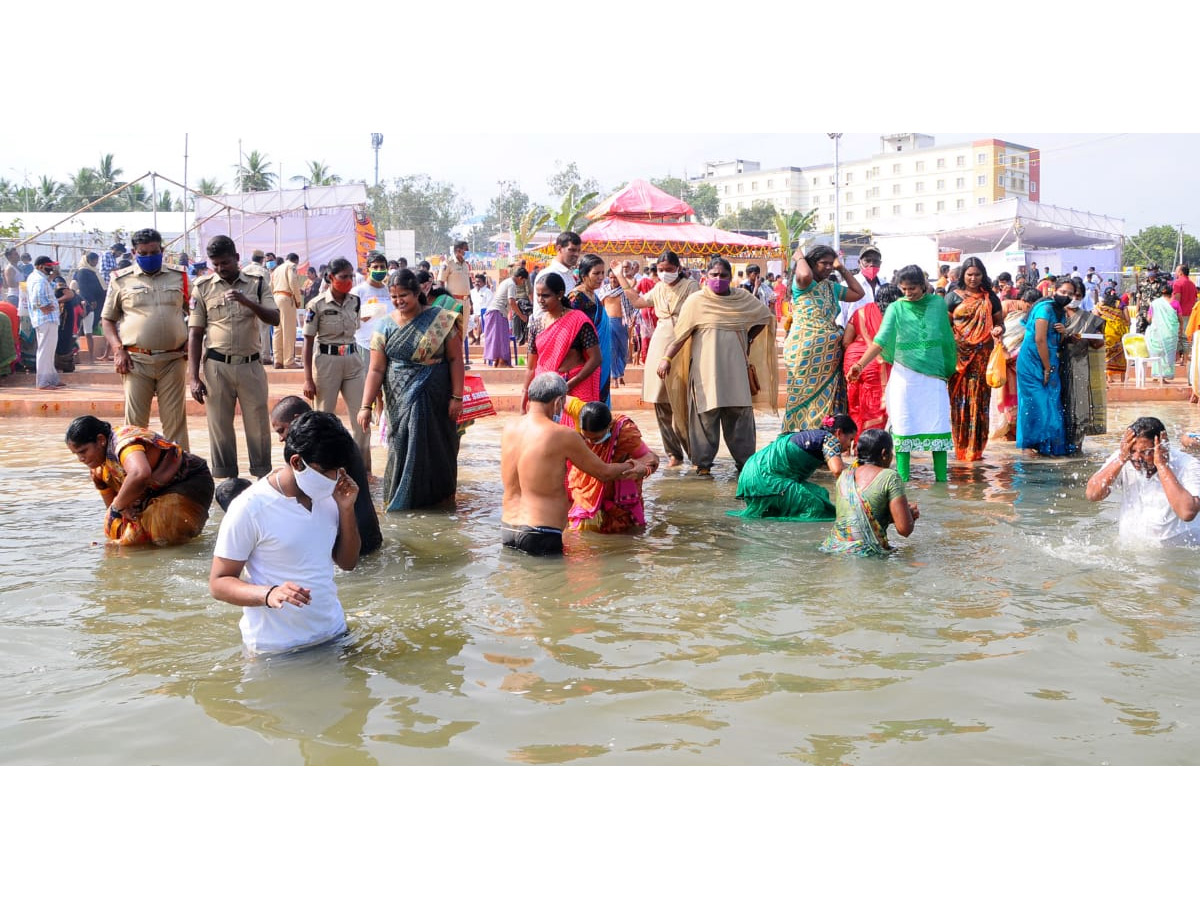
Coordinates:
685	238
641	200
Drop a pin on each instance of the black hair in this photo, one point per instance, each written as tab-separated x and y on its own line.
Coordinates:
1031	295
839	422
320	438
1166	291
289	408
436	292
373	257
588	262
872	445
341	264
887	295
293	257
595	416
974	262
943	269
567	238
1148	427
228	490
402	262
753	269
554	282
219	246
85	429
520	273
92	256
912	275
406	281
423	276
669	256
1004	276
1184	270
423	265
722	263
818	253
146	236
462	245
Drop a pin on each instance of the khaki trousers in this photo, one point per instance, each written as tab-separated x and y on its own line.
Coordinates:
285	331
345	375
163	375
230	385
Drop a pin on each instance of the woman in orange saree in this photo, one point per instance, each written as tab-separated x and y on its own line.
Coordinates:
977	319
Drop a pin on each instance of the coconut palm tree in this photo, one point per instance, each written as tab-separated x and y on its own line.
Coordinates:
9	196
108	173
209	187
85	186
255	174
48	195
790	228
165	204
318	173
572	210
138	197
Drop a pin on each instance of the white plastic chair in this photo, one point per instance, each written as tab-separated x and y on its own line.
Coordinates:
1137	356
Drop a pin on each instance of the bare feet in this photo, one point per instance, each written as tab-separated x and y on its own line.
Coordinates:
50	387
674	462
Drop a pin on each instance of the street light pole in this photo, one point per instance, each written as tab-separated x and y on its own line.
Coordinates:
836	136
376	143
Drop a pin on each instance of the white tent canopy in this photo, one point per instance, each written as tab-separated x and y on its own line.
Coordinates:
270	203
988	228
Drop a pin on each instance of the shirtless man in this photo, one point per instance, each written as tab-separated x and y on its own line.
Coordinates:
534	451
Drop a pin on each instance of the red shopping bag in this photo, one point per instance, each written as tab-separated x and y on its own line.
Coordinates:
476	403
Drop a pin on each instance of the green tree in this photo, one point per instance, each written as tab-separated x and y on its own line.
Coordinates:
789	229
430	208
11	230
165	203
109	177
1160	244
48	195
318	173
255	174
569	216
701	196
759	217
531	223
137	197
9	196
209	187
507	207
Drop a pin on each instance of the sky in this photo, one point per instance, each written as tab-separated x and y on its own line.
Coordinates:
1145	179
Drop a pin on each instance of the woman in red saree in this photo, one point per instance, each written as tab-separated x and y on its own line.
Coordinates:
562	340
977	319
865	396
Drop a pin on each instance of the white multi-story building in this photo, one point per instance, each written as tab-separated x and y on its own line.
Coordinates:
909	176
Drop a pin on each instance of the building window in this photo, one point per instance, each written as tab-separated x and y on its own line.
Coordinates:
981	201
960	204
941	163
895	190
960	161
896	210
1032	187
981	158
920	165
786	182
814	182
875	211
1000	159
754	185
895	168
920	207
1000	180
941	184
739	187
849	217
981	180
739	204
920	187
960	183
831	198
728	208
941	206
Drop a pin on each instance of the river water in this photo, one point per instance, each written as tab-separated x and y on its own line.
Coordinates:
1011	628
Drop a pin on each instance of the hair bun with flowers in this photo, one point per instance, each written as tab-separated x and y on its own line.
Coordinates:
827	422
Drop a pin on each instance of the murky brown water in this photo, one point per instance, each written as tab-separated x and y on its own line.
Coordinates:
1011	629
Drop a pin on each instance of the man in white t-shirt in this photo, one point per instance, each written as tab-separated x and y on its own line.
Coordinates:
374	299
1160	491
569	246
869	279
277	532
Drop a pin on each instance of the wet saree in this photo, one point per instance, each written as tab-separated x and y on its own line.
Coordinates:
812	354
1084	387
422	466
969	392
615	506
863	515
172	513
864	397
1162	337
1116	326
774	485
1039	401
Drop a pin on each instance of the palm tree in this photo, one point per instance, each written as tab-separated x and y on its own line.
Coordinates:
85	187
256	174
48	195
318	173
9	196
790	228
164	202
137	197
531	222
109	174
571	210
209	187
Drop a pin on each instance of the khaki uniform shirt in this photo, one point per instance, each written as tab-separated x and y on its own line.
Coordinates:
230	327
330	322
285	282
456	276
150	309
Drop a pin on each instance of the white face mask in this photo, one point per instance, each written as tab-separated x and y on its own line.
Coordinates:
314	484
669	277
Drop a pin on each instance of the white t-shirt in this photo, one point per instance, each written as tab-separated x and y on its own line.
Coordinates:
376	303
1146	514
482	299
849	309
280	540
568	276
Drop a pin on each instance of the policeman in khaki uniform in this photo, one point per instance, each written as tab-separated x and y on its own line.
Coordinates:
256	269
149	301
289	297
330	320
227	307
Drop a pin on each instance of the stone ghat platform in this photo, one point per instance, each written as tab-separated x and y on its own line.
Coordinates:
95	389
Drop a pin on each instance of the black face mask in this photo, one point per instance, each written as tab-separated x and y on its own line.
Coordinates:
1061	303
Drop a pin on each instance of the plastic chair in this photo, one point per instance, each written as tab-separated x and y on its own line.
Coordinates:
1137	356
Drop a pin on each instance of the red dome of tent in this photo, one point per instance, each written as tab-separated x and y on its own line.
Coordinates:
641	200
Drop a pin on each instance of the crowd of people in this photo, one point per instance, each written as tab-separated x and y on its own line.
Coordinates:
877	370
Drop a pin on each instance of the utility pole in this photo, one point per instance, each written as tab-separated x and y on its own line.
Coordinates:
376	143
836	136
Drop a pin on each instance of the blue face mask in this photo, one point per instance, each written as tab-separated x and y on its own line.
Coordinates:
271	264
150	263
604	439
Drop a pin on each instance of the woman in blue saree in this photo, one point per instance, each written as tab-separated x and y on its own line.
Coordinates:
1041	426
417	362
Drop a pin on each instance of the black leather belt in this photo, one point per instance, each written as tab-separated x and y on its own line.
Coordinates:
232	360
338	349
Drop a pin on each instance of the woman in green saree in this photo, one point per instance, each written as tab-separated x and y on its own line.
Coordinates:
870	497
